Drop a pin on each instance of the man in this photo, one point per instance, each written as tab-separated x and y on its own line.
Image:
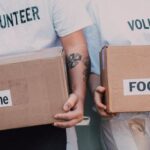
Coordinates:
119	22
32	25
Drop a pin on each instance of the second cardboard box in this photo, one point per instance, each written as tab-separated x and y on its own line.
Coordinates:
125	72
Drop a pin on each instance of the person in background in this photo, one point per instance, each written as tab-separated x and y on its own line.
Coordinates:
34	25
119	22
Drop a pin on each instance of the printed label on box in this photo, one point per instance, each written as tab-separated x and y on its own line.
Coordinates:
5	98
136	87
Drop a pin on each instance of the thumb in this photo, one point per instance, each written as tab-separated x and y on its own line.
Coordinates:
71	102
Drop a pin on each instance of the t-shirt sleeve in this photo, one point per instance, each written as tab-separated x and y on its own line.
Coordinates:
69	16
94	40
94	46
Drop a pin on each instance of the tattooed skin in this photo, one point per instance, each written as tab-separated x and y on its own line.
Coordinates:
73	60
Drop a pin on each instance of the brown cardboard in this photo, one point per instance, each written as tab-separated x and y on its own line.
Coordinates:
37	85
126	68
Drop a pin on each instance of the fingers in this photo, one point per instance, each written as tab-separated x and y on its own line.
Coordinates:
98	101
69	115
70	118
73	113
71	102
102	109
98	97
67	124
103	113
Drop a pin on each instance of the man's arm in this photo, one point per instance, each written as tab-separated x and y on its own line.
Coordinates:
94	81
78	65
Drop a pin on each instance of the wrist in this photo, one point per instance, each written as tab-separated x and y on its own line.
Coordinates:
80	95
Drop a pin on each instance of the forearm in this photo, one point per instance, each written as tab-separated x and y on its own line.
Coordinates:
94	81
78	64
77	61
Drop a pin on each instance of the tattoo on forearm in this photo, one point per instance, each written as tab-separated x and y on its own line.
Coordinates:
73	60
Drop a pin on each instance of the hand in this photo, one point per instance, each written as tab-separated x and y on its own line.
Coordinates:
73	112
101	108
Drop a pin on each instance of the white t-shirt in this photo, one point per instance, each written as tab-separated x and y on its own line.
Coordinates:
119	22
27	25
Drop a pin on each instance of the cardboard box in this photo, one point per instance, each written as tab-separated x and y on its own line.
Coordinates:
33	88
126	75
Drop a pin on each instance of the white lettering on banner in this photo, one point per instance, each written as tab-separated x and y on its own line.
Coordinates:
5	98
136	87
